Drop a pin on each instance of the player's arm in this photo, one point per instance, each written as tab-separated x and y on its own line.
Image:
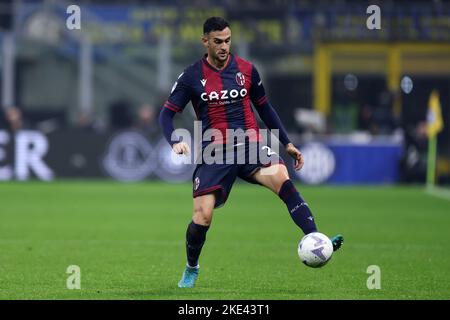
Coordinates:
178	99
271	119
166	123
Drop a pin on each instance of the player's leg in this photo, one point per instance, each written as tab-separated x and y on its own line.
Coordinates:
211	187
276	178
196	236
196	231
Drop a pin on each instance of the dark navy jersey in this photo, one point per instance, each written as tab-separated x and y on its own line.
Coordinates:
221	98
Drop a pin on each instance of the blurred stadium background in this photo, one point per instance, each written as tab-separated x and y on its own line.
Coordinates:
83	104
355	99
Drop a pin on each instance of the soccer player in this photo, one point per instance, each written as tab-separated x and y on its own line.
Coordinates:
221	86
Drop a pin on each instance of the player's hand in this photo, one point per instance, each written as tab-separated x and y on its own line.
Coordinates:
181	148
297	155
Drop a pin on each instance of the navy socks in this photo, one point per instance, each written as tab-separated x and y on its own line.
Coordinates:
298	208
195	238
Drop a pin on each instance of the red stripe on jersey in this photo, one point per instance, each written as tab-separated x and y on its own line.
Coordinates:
216	111
245	68
261	100
173	105
170	108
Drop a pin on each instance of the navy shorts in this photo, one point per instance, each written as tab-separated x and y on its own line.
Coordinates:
218	178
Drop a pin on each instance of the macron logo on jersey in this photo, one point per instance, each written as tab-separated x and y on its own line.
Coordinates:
203	81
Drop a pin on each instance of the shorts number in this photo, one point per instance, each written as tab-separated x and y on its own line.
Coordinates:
269	151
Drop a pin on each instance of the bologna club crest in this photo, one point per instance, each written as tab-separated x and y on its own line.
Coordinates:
196	183
240	79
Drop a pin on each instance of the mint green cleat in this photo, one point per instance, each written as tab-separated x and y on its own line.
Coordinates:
337	241
189	277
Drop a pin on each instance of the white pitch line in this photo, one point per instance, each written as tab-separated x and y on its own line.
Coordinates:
438	192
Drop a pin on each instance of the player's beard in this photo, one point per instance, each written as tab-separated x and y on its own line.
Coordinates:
222	56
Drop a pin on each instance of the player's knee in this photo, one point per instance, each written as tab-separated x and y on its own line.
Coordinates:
283	173
202	215
280	178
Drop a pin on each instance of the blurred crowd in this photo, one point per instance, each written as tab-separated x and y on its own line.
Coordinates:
121	117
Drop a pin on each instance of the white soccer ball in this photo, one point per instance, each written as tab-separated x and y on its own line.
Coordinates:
315	249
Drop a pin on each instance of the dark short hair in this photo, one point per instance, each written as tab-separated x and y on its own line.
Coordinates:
214	24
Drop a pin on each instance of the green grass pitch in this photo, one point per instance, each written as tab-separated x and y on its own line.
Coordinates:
128	240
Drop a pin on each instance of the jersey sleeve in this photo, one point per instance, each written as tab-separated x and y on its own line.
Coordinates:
180	95
257	91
